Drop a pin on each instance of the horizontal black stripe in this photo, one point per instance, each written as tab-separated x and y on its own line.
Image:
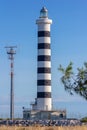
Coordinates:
44	58
43	45
43	70
43	94
44	82
43	33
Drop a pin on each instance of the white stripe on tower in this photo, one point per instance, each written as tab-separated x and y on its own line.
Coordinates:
44	99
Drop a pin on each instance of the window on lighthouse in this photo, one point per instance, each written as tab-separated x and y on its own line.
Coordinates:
44	13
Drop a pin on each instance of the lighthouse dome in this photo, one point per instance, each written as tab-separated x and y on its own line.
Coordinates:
44	13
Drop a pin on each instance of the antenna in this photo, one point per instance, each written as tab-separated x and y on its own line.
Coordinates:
11	52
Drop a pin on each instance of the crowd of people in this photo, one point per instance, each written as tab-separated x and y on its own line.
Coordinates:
65	122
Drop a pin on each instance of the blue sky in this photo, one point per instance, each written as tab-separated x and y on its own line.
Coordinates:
69	43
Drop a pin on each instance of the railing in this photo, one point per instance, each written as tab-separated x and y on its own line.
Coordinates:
59	110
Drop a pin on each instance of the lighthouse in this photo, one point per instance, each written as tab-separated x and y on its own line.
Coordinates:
44	96
42	106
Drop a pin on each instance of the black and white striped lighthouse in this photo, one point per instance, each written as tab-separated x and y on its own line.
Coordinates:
42	107
44	97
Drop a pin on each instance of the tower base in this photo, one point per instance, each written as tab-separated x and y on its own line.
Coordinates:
44	115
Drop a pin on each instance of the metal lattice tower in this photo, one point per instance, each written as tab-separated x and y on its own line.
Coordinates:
11	52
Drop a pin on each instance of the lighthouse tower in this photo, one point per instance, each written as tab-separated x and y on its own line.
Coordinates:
42	106
44	97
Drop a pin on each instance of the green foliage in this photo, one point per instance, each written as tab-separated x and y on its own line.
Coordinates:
74	82
67	72
84	119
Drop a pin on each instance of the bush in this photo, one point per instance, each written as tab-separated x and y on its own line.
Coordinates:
84	119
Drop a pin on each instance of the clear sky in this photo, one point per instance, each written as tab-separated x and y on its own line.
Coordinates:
69	43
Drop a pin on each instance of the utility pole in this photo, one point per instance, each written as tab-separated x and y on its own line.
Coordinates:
11	52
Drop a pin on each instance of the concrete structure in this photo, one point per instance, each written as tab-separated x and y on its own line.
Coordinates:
44	115
42	107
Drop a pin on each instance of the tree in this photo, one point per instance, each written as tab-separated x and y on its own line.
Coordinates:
74	82
84	120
